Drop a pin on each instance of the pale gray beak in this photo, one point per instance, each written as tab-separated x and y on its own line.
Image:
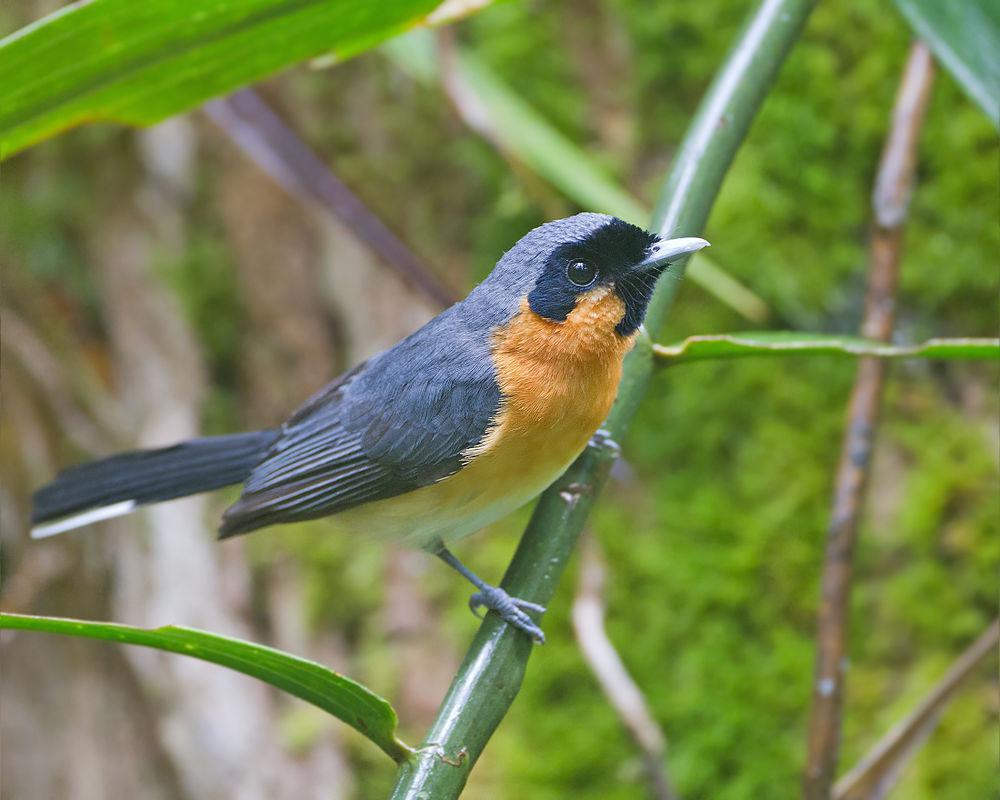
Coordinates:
668	250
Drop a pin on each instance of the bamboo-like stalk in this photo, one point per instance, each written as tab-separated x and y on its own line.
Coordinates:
890	199
490	676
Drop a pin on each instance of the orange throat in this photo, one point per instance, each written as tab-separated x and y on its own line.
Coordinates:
557	379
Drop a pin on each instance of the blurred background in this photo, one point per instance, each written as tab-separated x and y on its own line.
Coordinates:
158	284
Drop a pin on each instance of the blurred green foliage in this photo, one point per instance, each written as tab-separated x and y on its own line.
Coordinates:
715	553
715	549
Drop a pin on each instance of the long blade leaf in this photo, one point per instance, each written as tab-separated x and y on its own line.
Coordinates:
964	36
139	62
540	146
342	697
795	343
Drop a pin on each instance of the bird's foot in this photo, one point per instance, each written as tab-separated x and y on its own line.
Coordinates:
512	610
603	440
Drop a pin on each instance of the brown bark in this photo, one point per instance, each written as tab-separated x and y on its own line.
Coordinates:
100	721
894	184
75	723
287	351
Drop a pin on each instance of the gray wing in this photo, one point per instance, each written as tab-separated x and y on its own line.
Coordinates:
393	424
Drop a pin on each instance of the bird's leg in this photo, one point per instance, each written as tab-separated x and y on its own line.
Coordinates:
493	598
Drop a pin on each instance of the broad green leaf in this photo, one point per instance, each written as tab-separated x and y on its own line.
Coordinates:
137	62
535	142
964	35
345	699
794	343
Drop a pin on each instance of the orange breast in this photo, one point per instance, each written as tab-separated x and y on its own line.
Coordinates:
558	381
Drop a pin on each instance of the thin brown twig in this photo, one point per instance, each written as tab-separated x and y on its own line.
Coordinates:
893	186
621	690
281	153
876	773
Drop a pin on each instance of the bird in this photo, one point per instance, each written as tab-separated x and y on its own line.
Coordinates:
447	431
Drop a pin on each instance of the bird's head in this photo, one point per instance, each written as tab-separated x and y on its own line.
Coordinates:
594	268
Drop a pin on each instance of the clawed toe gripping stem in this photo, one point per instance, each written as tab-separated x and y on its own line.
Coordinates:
512	610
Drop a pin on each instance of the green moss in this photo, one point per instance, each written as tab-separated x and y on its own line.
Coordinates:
715	556
204	282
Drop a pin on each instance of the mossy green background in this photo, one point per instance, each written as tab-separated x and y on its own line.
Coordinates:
715	543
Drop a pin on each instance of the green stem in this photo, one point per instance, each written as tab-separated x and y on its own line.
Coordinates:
494	667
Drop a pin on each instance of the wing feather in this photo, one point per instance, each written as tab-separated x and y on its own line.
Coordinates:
397	422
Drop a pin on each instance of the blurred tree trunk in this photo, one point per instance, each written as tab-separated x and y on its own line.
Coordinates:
179	728
287	348
315	302
74	724
221	730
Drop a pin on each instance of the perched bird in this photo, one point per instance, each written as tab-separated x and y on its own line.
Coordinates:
450	429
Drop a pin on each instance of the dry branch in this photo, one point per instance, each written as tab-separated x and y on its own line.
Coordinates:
876	773
893	186
282	154
621	690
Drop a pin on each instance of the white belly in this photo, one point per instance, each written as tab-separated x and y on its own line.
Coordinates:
450	509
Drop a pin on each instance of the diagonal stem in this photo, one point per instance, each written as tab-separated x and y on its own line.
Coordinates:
893	186
876	774
251	123
491	674
619	687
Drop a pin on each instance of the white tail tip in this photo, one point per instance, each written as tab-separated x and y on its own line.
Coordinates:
81	519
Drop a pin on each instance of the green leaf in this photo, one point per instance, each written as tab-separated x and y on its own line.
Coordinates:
964	36
536	143
345	699
139	62
794	343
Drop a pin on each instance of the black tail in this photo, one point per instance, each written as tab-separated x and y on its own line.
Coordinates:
115	485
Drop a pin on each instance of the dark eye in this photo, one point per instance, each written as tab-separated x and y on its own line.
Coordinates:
581	273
